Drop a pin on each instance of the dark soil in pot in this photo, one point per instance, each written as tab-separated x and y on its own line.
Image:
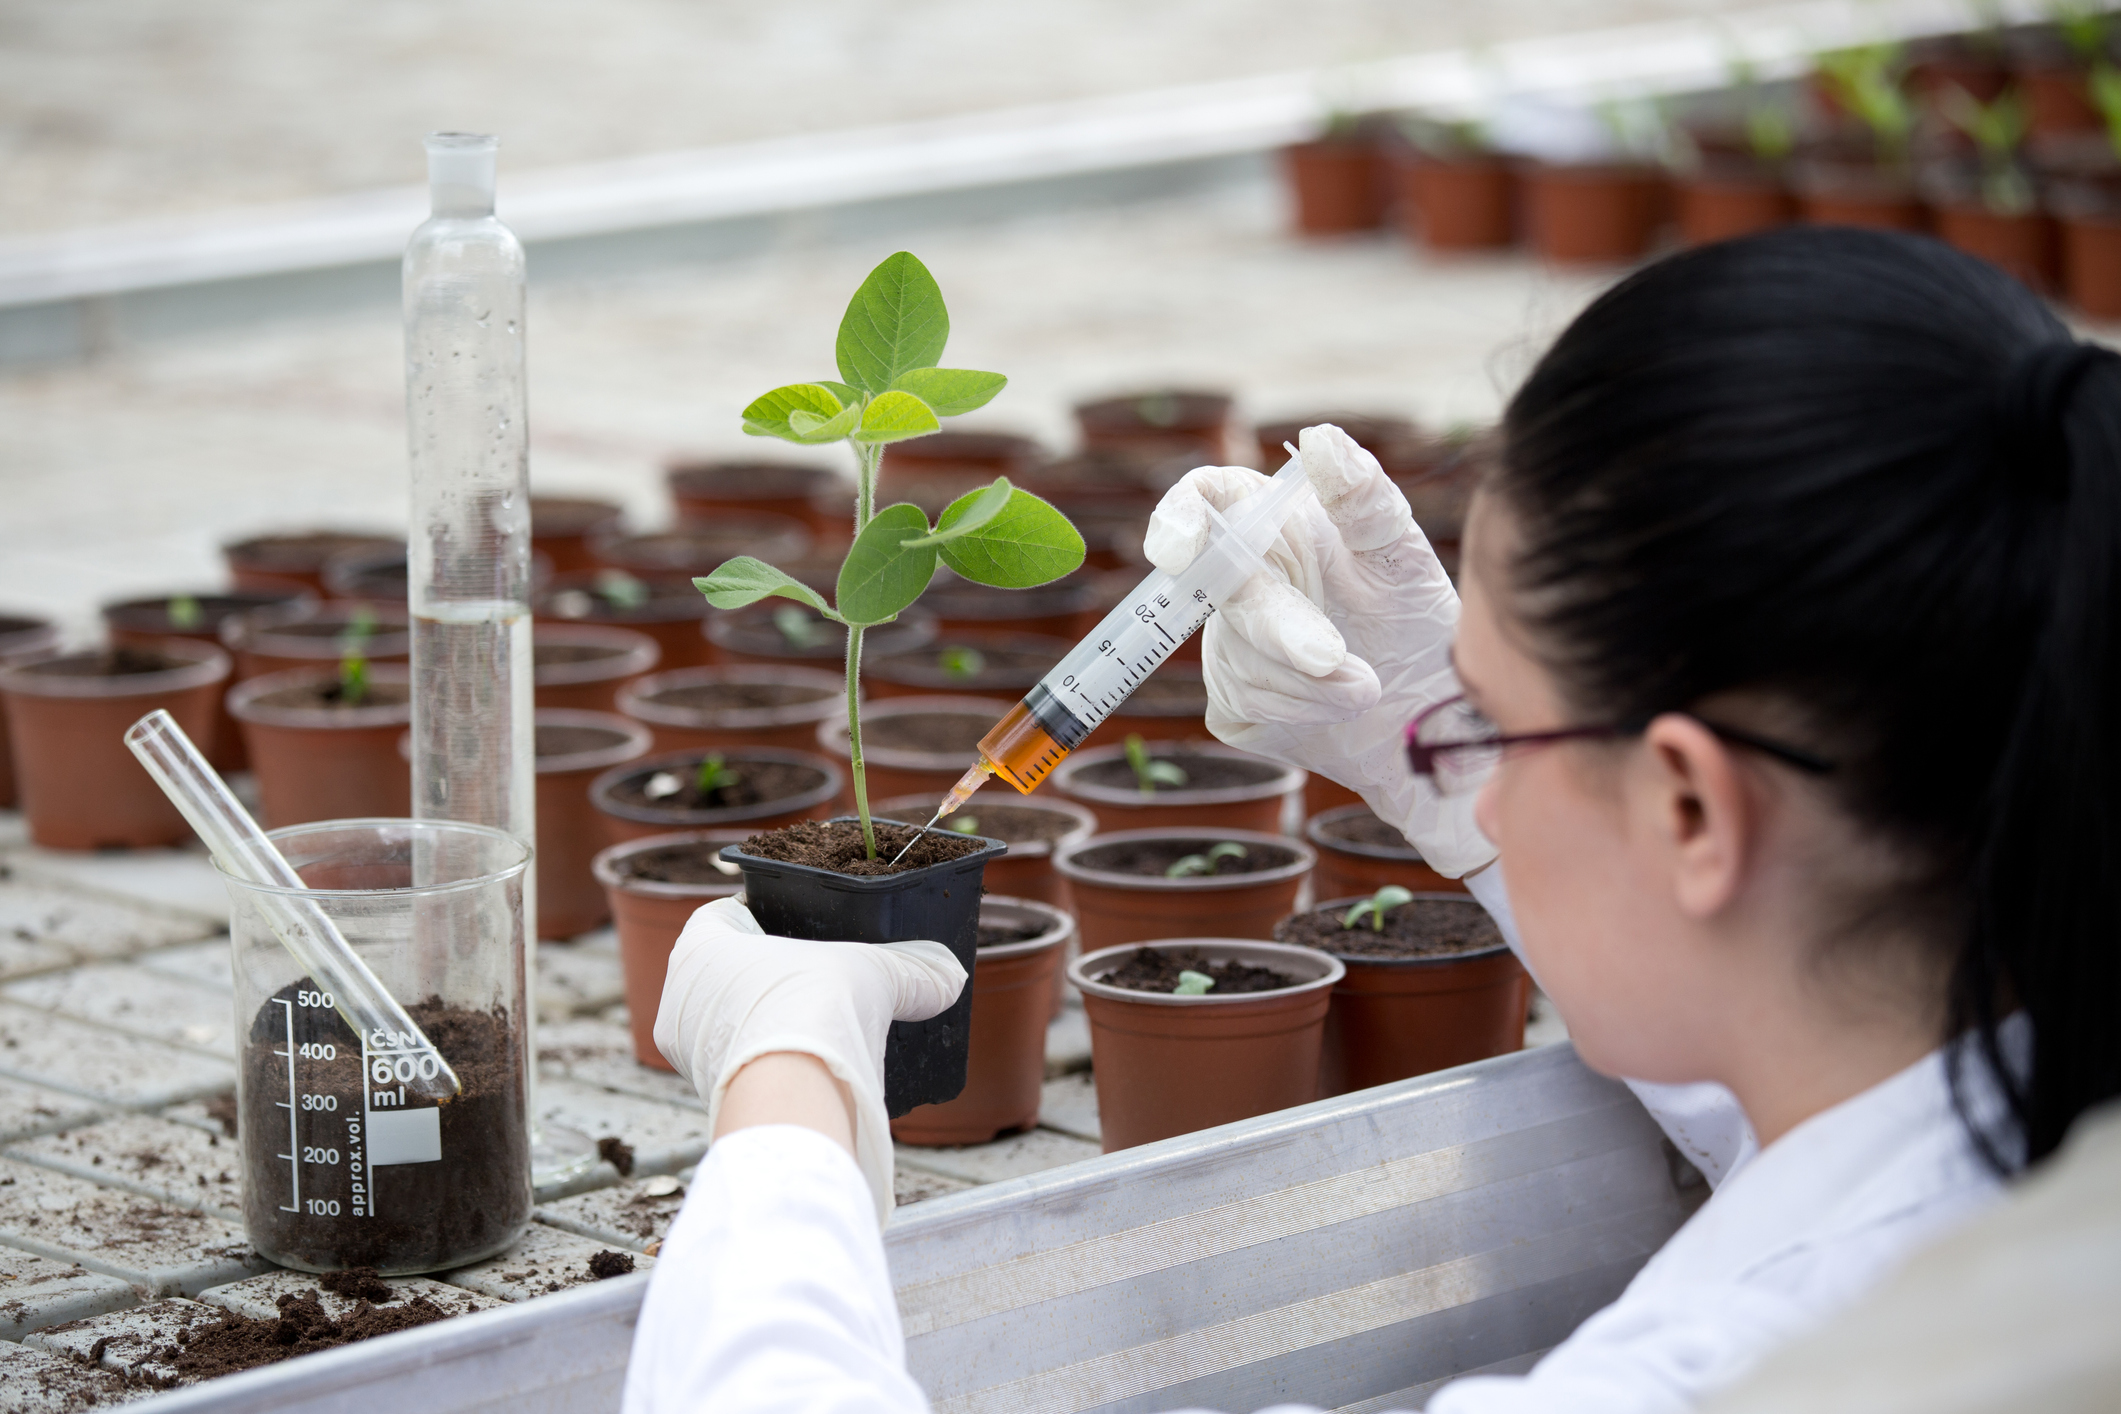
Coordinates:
951	733
582	667
1222	789
684	864
313	635
736	705
1151	858
708	490
1359	854
912	745
1001	665
298	557
698	548
996	935
836	845
1123	895
1032	827
665	607
1170	705
758	789
1202	772
744	784
560	527
143	623
1426	928
1066	609
1162	970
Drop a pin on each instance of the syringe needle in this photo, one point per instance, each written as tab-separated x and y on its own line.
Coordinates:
971	781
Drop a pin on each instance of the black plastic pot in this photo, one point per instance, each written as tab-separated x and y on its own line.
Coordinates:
924	1061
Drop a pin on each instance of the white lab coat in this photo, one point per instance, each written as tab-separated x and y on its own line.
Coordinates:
771	1293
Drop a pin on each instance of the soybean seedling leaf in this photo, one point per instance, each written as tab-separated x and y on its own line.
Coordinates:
1028	543
1187	866
798	628
880	575
895	321
1229	849
768	415
847	395
1376	906
812	430
893	417
951	391
964	825
972	511
1193	984
745	580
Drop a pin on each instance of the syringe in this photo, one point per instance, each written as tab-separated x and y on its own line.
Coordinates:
1086	687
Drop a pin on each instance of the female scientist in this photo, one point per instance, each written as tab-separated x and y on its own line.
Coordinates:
1785	684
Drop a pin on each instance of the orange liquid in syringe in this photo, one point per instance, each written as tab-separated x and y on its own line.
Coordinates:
1019	750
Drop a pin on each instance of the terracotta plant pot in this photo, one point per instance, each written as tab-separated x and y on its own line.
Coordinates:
313	635
560	528
1001	666
1322	793
913	745
1720	203
145	623
78	784
1838	191
650	913
1113	907
584	667
699	547
296	557
1013	989
2058	98
1098	777
1168	1065
1033	827
22	637
1593	214
574	748
751	636
1393	1018
1382	436
666	608
1459	203
625	817
935	469
2026	245
1359	854
1338	184
716	709
708	490
1157	423
2091	262
1065	609
316	761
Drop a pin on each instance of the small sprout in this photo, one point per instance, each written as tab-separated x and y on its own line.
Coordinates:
184	612
353	656
353	680
960	662
965	824
621	590
662	785
801	630
2083	28
1149	772
1160	409
1193	984
1376	906
2105	89
1997	131
1193	864
713	774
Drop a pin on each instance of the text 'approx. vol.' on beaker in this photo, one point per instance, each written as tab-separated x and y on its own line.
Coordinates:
345	1163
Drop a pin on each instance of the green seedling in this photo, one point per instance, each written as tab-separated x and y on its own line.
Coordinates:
1149	771
2105	90
1998	132
713	774
184	612
1770	127
1193	984
2083	28
891	387
1444	138
353	656
621	590
960	663
798	629
1193	864
1376	906
965	824
1867	81
1640	128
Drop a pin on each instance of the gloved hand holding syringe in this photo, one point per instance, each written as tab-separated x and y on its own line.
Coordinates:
1087	685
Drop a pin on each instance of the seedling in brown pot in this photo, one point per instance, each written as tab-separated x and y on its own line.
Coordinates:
184	612
353	657
1192	864
961	662
1193	984
1149	772
1376	906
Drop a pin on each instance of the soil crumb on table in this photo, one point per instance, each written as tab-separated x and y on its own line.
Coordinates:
837	845
241	1343
358	1284
608	1263
1427	927
616	1152
1157	969
1151	858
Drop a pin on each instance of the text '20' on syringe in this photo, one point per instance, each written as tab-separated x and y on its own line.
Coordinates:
1100	672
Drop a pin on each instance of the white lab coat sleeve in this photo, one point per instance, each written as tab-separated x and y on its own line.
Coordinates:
771	1295
1704	1121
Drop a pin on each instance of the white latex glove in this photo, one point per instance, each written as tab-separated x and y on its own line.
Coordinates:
734	993
1322	661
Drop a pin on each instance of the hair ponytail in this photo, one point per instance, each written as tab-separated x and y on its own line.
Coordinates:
1873	481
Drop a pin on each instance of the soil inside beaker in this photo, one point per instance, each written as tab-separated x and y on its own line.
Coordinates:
1157	969
837	845
405	1217
1437	928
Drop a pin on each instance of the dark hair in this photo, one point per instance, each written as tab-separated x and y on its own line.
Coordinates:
1872	483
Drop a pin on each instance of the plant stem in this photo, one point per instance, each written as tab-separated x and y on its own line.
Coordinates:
866	459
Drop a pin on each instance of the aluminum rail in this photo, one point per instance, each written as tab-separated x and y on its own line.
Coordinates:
1352	1252
1027	144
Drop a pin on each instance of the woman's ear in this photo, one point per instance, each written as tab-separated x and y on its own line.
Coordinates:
1699	815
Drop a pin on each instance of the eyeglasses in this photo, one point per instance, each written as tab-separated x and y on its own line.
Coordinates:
1455	747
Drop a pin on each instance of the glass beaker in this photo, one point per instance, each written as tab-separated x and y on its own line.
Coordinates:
345	1164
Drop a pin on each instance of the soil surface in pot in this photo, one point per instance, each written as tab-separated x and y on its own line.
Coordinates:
1150	858
678	864
740	696
330	693
302	1327
1016	824
303	552
473	1196
1157	969
995	935
1423	928
741	783
207	611
992	662
552	655
1367	829
1203	772
837	845
107	663
941	733
571	741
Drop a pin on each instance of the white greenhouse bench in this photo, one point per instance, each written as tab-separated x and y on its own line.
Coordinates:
1352	1253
